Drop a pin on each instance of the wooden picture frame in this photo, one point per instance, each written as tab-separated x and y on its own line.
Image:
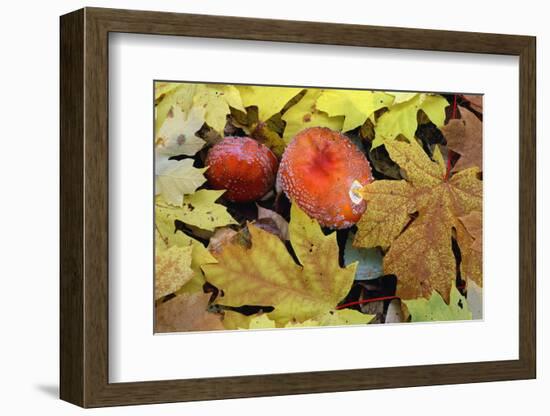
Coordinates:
84	207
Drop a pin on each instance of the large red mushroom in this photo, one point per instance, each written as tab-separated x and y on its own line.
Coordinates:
242	166
321	170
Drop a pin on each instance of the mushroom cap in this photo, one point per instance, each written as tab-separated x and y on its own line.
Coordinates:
242	166
319	171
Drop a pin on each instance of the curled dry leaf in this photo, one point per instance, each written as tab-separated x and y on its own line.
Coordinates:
186	312
280	222
219	239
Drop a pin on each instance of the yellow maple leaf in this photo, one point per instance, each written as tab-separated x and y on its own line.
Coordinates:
355	105
198	209
172	268
401	117
163	88
269	100
401	97
335	318
176	178
304	114
216	100
266	275
421	256
236	320
169	236
177	135
169	96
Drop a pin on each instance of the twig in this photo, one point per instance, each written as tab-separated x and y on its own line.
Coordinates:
360	302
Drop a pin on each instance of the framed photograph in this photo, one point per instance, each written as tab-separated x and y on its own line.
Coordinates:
255	207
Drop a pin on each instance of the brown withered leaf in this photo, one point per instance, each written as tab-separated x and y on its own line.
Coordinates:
219	239
421	256
186	312
280	222
465	137
476	101
265	135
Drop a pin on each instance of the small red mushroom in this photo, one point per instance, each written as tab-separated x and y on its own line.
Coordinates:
320	171
243	166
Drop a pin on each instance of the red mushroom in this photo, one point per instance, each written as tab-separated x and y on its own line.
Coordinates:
320	171
243	166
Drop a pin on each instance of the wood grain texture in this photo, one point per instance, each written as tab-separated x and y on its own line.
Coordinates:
84	207
71	210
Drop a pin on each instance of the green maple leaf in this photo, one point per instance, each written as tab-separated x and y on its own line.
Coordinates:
435	308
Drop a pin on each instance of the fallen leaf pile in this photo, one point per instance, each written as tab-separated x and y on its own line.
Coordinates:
414	255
